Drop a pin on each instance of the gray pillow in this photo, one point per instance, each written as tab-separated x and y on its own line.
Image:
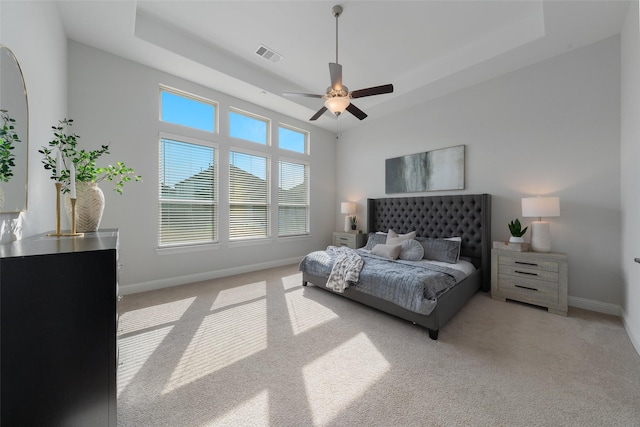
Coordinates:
387	251
441	249
375	239
411	250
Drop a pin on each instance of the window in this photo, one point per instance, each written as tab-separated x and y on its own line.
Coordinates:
187	110
248	195
188	192
292	139
249	127
293	198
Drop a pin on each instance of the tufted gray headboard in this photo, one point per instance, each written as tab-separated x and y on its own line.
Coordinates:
467	216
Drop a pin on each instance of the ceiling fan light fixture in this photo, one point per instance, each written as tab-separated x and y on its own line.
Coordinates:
337	104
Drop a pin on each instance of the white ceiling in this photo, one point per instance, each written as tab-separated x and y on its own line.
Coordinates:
425	48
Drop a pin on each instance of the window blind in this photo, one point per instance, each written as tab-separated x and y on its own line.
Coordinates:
188	193
293	198
248	195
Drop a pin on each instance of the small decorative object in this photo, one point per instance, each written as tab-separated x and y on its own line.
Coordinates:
8	137
347	208
509	246
516	231
354	223
78	166
540	207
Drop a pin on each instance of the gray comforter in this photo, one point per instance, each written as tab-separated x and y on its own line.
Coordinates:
414	286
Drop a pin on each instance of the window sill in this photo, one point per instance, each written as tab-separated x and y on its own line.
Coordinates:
172	250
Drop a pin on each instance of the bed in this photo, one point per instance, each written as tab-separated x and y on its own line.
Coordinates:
433	217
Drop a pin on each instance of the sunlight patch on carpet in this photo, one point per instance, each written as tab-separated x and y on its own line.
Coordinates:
223	338
135	350
304	313
292	282
156	315
252	412
240	294
336	380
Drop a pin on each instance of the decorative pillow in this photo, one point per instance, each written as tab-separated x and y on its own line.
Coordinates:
411	250
394	238
387	251
456	239
441	249
375	239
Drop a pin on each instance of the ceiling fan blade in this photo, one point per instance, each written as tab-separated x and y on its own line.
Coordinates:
308	95
377	90
335	70
356	112
319	113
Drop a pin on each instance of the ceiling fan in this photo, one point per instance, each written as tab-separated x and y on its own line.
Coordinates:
338	98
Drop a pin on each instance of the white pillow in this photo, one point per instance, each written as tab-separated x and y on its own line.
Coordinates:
394	238
387	251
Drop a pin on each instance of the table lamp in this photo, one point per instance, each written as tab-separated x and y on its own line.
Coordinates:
540	207
347	208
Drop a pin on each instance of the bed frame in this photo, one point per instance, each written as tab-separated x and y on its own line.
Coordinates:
467	216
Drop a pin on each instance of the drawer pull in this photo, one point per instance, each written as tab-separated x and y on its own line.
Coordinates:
532	264
526	287
526	272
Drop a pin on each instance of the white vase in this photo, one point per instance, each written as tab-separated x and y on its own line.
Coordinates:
89	206
514	239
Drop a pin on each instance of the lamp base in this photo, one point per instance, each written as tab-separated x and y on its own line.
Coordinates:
347	223
540	236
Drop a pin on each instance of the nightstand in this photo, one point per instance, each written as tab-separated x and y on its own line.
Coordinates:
352	240
532	277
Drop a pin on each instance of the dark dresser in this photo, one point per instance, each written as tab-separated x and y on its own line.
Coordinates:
58	323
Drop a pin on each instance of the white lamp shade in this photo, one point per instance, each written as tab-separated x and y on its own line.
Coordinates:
540	207
337	104
347	207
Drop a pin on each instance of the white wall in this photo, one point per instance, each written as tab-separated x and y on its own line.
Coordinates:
34	32
630	172
552	128
115	101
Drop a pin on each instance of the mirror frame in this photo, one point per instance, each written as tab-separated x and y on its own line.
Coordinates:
24	138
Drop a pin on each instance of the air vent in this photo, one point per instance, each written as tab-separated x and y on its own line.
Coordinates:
269	54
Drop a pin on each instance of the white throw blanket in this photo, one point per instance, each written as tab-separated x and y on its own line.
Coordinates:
346	269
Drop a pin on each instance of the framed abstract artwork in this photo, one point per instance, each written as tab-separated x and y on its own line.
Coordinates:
435	170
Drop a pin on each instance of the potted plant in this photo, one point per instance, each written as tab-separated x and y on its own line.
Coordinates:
354	222
70	160
516	231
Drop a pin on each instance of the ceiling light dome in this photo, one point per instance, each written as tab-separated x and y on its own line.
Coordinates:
337	104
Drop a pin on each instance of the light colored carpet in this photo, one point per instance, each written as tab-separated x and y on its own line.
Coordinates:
259	349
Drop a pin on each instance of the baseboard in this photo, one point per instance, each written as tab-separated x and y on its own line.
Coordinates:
597	306
634	334
152	285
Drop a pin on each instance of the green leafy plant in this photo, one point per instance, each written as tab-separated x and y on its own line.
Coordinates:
8	137
84	161
516	228
353	220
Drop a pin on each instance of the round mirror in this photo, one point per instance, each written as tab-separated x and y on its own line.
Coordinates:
14	141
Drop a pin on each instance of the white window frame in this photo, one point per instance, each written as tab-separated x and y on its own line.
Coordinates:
307	204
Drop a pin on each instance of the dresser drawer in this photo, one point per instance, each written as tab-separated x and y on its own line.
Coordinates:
528	290
523	263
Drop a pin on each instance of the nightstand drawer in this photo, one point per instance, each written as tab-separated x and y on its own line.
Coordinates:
351	240
529	273
528	264
531	291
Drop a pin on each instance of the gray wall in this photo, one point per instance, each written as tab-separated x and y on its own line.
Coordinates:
34	32
552	128
113	100
630	172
